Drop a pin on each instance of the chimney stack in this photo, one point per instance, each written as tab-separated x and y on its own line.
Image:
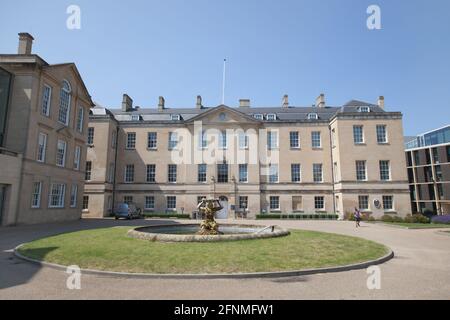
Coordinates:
286	101
127	103
161	104
381	102
320	101
25	43
199	102
244	103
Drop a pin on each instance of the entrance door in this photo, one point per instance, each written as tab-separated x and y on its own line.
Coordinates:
223	214
2	201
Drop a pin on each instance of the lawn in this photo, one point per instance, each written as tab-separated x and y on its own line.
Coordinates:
110	249
419	225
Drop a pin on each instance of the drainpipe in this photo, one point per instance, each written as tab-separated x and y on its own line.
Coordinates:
115	169
332	169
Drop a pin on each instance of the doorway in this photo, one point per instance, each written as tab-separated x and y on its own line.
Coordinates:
223	214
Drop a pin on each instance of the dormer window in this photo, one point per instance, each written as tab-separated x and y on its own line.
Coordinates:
258	116
175	117
364	109
271	117
313	116
135	117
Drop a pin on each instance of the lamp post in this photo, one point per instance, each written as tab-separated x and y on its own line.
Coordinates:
213	180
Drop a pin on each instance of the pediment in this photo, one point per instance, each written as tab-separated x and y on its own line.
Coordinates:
224	115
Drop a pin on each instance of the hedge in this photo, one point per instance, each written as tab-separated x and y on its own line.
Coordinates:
166	215
297	217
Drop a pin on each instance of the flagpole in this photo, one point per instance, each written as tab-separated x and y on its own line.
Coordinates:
224	79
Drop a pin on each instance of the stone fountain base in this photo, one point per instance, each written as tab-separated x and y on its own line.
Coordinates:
190	233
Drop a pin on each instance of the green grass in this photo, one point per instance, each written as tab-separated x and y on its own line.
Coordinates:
111	249
419	225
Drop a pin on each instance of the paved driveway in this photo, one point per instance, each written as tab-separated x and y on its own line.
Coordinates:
420	270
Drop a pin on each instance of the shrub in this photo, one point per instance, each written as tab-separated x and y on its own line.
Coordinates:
409	219
372	219
387	218
397	219
419	218
441	219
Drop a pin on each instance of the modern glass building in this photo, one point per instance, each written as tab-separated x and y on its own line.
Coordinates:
428	161
432	138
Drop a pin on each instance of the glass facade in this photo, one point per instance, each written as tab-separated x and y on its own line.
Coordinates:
5	86
439	136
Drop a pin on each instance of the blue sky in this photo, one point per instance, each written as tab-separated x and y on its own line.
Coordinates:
175	48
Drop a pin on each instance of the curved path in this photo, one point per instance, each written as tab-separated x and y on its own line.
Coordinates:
420	270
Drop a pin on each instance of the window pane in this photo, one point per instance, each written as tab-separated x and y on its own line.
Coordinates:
90	139
317	172
131	140
222	173
316	139
294	140
358	134
172	177
152	140
151	173
361	171
243	173
202	173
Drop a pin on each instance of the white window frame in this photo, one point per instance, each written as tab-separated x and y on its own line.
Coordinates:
276	199
90	136
175	117
62	96
313	116
63	164
202	175
364	109
42	148
258	116
361	199
271	117
385	134
77	158
129	173
294	140
36	195
243	173
46	100
61	193
74	196
131	141
152	140
314	139
171	200
272	140
384	170
135	117
361	170
274	173
172	173
317	200
150	173
173	141
80	119
243	141
295	174
88	171
146	204
316	172
358	136
392	203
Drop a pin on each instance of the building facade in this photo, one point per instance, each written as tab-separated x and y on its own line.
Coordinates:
44	111
428	161
286	159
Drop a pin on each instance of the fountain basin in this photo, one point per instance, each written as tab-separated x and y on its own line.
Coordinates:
188	233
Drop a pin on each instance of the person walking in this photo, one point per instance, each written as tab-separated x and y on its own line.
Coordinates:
358	217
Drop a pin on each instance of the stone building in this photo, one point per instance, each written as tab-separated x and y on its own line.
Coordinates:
44	111
297	160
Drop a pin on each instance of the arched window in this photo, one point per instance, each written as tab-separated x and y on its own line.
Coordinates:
64	103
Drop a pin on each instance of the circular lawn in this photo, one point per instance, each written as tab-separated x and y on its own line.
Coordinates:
112	250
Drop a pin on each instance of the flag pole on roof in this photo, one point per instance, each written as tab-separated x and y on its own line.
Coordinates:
224	79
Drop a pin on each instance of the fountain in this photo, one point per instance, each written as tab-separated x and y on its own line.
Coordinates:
208	231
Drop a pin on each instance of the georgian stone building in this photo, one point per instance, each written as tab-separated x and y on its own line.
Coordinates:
312	160
44	112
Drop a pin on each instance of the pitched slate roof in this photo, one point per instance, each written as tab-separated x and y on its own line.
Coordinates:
283	114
